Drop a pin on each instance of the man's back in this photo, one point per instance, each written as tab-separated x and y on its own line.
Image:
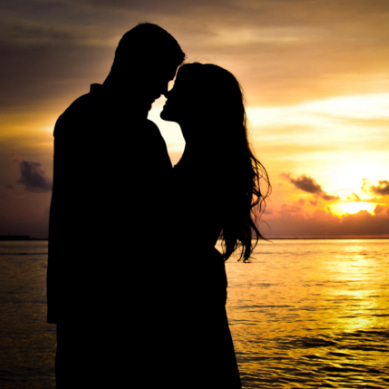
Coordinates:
109	163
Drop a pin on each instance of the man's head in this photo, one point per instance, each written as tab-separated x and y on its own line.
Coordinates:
146	59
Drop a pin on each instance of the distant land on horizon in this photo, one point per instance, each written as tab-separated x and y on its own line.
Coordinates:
18	237
329	237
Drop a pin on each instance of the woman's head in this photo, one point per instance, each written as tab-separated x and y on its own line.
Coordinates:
205	96
207	102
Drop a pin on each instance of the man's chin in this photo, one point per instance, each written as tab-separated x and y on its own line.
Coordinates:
165	116
148	105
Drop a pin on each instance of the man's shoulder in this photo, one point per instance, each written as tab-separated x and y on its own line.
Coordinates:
78	113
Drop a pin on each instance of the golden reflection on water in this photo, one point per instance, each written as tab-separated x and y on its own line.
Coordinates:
310	313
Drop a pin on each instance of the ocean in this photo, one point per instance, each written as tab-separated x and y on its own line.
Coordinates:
303	314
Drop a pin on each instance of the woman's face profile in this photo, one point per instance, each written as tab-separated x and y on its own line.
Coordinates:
181	101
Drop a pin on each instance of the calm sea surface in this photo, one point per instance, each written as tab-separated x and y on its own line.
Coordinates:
303	314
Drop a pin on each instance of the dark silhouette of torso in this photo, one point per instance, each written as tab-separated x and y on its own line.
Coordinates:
110	161
205	352
106	241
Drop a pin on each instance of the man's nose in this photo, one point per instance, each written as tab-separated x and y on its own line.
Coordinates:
166	92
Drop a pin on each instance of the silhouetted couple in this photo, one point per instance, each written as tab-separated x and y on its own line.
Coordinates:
135	284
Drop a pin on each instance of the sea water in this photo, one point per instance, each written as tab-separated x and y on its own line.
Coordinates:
303	314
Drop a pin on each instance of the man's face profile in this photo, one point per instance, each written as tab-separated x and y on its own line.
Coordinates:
156	82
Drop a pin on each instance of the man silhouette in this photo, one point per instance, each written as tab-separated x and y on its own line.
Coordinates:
106	221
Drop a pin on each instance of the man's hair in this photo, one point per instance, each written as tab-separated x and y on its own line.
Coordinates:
145	44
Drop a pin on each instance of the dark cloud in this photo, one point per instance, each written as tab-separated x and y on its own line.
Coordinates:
382	188
33	177
328	197
309	185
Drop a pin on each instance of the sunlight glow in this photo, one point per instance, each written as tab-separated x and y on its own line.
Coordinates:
170	131
356	107
352	207
349	177
339	142
322	113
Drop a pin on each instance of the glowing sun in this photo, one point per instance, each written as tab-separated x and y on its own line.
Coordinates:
352	207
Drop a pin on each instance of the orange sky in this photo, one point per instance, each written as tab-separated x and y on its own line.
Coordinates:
316	80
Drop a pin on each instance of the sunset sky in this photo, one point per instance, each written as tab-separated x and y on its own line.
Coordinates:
315	75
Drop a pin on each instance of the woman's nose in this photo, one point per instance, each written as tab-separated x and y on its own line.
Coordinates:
168	88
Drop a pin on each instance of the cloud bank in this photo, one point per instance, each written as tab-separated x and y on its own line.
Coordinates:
382	188
292	222
309	185
33	177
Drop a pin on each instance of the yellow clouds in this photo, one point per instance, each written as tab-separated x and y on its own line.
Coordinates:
333	139
315	76
328	155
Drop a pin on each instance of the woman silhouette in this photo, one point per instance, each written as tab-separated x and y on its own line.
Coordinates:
216	194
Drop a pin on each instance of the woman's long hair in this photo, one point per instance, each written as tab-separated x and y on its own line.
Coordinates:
219	97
